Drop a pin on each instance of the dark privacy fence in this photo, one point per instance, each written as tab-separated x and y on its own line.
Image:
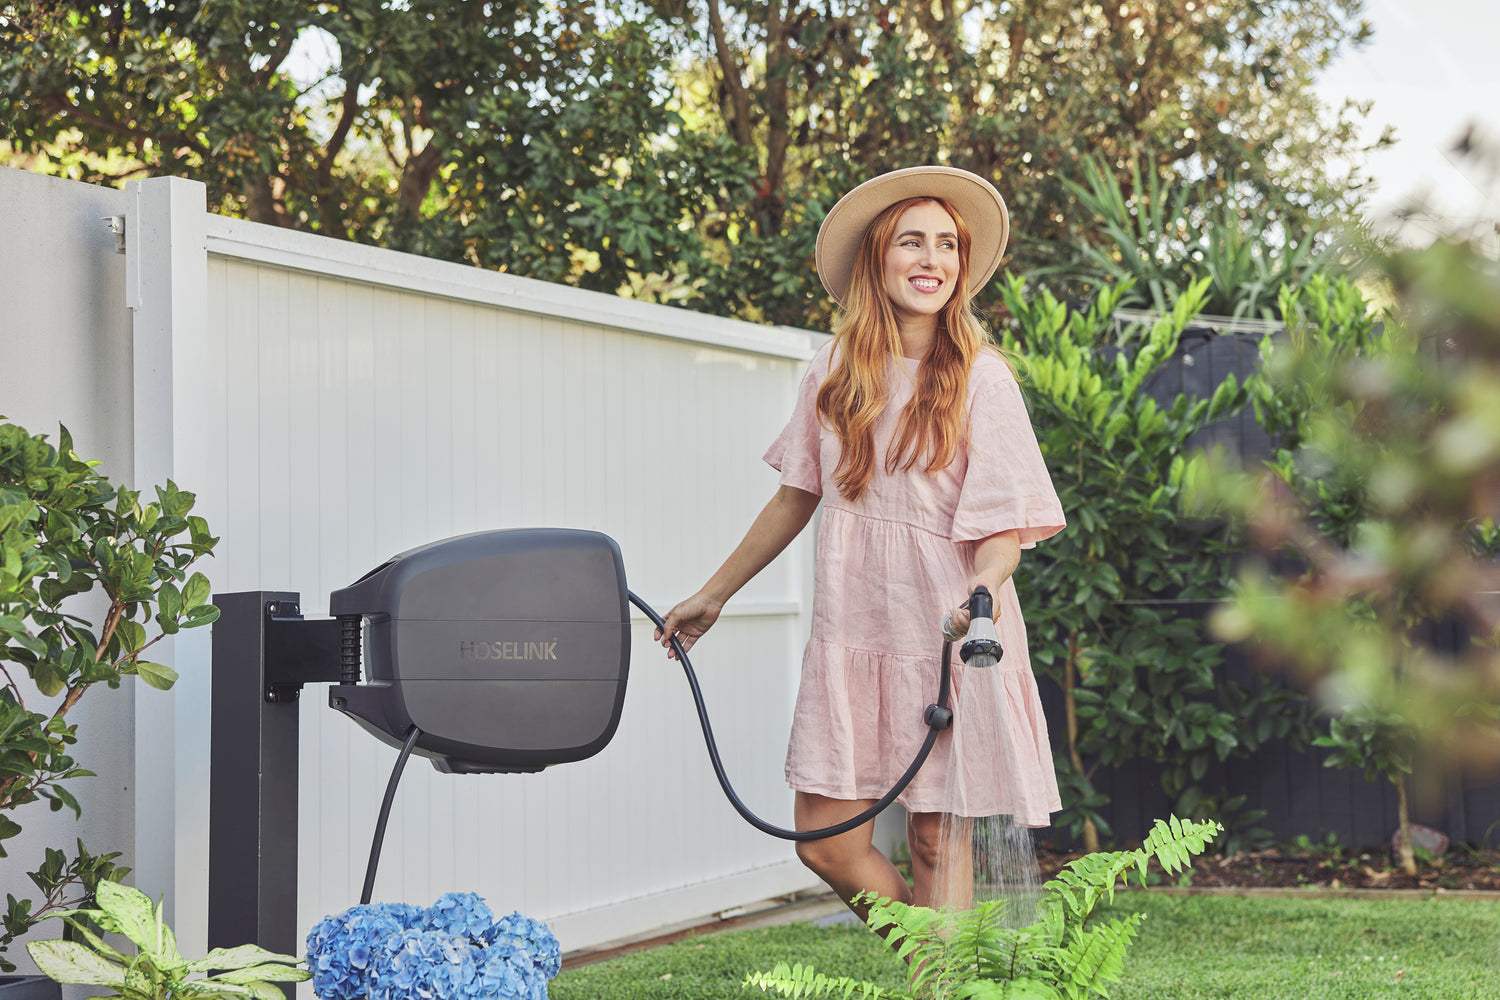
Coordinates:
1297	792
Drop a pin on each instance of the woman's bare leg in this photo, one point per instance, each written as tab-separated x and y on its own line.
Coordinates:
849	863
942	859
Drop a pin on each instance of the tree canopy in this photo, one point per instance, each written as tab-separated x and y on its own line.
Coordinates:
679	150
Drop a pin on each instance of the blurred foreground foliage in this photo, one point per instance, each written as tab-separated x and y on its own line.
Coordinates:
1388	493
1377	517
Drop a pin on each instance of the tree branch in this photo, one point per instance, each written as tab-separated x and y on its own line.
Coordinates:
769	208
280	45
739	100
60	104
10	683
349	110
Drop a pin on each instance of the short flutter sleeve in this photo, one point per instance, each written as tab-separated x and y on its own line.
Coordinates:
1006	484
796	451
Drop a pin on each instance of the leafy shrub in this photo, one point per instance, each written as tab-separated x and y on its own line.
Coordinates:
1139	676
67	535
157	971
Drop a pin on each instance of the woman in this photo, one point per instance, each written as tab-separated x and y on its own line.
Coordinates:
911	430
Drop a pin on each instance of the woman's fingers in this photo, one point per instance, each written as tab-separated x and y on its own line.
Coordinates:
687	621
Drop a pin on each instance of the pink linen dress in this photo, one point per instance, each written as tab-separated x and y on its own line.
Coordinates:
889	566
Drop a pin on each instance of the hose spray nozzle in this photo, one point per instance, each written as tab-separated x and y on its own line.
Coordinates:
981	647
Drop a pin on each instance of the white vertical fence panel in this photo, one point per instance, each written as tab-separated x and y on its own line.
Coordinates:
65	334
369	402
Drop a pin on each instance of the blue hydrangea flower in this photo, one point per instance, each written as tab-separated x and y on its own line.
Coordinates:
453	950
462	913
531	937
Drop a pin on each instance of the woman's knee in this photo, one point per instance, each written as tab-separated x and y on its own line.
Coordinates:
823	855
924	838
830	854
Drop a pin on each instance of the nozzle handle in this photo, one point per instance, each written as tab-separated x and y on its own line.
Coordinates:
981	604
981	647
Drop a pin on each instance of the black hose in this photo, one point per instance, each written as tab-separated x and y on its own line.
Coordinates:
935	725
385	813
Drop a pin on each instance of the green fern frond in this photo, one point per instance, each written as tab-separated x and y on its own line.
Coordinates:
1173	842
1017	990
1097	957
803	981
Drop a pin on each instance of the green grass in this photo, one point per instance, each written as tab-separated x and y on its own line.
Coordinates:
1190	948
1269	948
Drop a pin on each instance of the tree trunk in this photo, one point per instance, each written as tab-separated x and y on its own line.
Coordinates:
1407	855
1090	831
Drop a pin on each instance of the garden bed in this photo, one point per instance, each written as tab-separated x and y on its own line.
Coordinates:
1278	868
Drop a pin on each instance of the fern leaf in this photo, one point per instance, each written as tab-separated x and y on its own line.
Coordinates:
1019	990
1097	958
1173	842
803	981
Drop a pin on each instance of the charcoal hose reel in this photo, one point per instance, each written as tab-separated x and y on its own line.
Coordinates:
509	651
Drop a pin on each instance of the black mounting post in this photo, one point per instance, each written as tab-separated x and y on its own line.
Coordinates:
263	652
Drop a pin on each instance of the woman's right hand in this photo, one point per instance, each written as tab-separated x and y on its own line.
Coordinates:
688	621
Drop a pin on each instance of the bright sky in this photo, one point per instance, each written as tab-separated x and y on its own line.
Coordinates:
1432	69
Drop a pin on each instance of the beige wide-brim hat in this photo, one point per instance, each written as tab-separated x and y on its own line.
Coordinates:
973	197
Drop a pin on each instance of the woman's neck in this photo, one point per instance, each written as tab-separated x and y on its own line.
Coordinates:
917	338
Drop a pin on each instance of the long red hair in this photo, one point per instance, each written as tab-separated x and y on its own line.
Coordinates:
866	337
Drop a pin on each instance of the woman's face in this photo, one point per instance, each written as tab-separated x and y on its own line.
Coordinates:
921	262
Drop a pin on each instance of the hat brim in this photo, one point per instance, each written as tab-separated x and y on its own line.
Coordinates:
972	197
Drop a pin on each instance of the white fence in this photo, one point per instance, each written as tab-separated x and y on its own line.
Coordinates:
332	405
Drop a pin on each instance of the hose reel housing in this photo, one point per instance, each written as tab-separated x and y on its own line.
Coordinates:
509	649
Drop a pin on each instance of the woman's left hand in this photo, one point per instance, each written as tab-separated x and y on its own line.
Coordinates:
956	624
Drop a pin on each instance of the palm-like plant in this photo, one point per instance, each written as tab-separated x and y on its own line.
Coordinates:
1163	236
1067	954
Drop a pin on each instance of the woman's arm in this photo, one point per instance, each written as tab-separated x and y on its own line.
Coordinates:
995	559
782	519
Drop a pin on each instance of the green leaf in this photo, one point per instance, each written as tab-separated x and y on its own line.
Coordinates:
204	614
131	911
280	972
158	675
242	957
49	678
132	635
71	962
195	592
169	604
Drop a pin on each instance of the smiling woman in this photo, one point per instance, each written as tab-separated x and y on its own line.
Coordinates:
910	430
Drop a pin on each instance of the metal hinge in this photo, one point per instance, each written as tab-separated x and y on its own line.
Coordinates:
116	225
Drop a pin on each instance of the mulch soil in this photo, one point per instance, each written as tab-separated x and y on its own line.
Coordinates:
1460	869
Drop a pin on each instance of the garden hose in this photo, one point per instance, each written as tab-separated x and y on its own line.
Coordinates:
937	717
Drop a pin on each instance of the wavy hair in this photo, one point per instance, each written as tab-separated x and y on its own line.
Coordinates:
866	336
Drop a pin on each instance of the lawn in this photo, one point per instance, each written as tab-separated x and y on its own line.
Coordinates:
1190	948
